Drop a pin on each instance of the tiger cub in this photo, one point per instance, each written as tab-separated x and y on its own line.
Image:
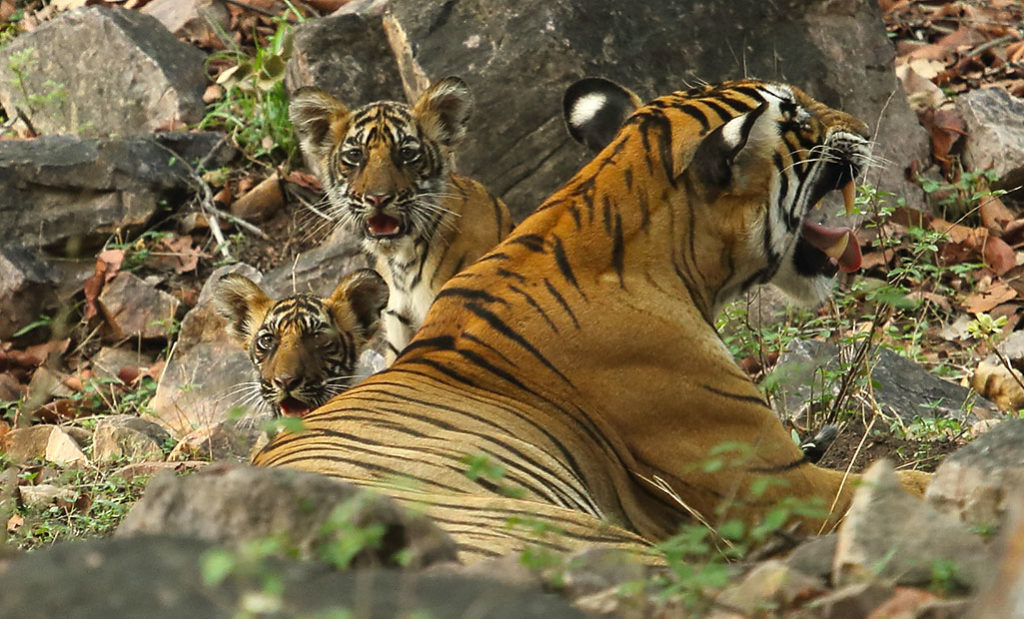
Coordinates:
387	170
304	348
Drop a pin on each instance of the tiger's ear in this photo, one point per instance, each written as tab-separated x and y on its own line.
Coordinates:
366	293
242	304
595	108
443	110
713	161
319	120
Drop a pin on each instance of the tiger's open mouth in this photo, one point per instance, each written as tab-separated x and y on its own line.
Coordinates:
292	407
824	250
382	226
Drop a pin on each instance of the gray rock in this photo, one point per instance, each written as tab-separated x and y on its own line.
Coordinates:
101	71
347	55
222	441
814	556
23	445
128	437
979	481
319	270
63	450
193	20
42	495
133	308
241	503
891	535
66	191
995	134
902	388
26	289
771	584
157	578
1003	596
517	145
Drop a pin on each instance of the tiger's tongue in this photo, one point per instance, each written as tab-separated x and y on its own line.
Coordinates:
381	224
840	244
291	407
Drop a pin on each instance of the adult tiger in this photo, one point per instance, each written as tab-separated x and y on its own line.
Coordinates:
581	352
387	171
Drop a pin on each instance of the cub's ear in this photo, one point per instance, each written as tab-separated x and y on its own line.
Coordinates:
443	110
320	121
242	304
366	293
713	161
595	108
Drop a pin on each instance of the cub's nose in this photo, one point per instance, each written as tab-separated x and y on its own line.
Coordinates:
286	382
378	200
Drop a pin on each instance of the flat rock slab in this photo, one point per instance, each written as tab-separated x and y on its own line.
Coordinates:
236	504
128	437
133	308
157	578
517	145
99	71
902	388
980	480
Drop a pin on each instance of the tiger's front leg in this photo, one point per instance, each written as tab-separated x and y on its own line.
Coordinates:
398	330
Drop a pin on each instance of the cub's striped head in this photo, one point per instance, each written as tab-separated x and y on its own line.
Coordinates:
305	348
385	165
755	157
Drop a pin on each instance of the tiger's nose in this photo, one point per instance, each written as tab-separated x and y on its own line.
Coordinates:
286	382
378	199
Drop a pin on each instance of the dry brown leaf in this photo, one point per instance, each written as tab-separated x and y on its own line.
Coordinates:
995	215
261	202
14	523
998	255
7	8
178	253
108	263
304	180
981	302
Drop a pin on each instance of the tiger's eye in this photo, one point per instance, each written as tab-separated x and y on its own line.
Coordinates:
352	156
265	342
408	154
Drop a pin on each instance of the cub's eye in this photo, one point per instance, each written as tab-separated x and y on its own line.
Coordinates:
409	153
352	156
265	342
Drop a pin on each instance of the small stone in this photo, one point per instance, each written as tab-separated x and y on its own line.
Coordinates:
814	556
109	361
63	450
46	384
42	495
1003	596
128	437
10	389
771	585
592	570
133	308
26	289
891	535
976	482
222	441
994	382
24	445
260	202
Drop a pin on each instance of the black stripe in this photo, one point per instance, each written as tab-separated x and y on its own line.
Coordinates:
533	303
503	329
562	261
533	242
561	301
472	294
618	250
738	397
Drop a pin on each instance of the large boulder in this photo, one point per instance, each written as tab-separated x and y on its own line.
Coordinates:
99	71
996	135
519	57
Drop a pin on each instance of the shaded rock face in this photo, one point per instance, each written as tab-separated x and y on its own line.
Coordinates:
238	504
518	146
980	480
158	578
993	119
99	71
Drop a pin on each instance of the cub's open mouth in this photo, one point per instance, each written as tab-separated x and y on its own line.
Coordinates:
291	407
824	250
383	226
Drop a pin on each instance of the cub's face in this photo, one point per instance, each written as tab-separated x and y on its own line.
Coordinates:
304	348
385	166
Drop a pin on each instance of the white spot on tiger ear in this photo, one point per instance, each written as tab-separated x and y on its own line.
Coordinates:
586	108
732	132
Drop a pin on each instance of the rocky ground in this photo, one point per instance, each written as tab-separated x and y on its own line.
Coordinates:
136	172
